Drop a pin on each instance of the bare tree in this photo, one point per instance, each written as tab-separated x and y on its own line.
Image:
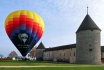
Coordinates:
12	54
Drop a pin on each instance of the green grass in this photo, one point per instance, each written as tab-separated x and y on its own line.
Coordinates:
69	68
35	63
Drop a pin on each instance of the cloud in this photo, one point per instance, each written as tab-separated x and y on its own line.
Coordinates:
66	16
62	18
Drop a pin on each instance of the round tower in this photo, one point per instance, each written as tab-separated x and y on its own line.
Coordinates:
88	49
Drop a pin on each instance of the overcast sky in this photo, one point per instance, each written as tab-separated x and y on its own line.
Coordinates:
61	17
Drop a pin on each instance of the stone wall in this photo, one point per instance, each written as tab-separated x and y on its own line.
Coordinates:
88	49
48	56
64	55
39	54
72	57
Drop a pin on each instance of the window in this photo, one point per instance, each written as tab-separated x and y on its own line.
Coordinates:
91	29
74	53
90	49
101	54
49	55
90	45
64	54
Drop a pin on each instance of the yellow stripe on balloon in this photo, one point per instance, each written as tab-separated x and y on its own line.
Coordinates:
41	23
11	16
17	14
23	12
29	14
35	17
9	19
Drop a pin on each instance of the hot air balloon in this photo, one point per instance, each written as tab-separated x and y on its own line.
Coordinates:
24	28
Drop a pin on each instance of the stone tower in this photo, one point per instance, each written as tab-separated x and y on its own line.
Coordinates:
88	50
39	52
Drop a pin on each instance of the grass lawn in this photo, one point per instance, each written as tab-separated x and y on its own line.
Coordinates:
35	63
51	68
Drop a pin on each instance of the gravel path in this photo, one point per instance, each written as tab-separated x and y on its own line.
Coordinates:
48	66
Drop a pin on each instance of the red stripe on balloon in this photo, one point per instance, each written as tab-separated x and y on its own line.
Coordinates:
29	23
16	23
39	34
7	30
11	27
22	20
35	28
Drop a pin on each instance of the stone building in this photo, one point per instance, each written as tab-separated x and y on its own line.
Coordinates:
65	53
102	54
87	49
39	52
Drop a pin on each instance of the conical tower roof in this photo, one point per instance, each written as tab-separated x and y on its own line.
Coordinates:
41	46
87	24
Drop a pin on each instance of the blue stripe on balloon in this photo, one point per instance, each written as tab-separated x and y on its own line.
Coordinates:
29	31
13	34
17	31
36	38
22	27
33	35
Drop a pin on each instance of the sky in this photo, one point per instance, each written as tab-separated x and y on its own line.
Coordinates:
61	18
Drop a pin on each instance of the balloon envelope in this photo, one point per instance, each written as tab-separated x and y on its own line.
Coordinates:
24	28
